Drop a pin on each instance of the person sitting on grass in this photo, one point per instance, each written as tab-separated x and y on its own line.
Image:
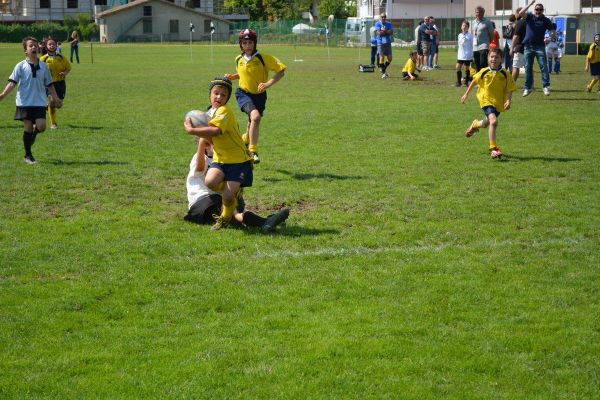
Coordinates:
494	94
204	204
408	72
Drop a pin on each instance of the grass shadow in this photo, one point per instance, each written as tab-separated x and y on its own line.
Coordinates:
93	128
292	231
306	176
99	162
509	157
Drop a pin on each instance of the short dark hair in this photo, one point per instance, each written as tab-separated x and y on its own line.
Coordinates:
26	39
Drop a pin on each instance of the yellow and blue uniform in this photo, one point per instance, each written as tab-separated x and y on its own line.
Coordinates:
229	148
256	70
57	64
410	66
493	87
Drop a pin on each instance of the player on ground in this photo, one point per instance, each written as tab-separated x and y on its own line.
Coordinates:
252	69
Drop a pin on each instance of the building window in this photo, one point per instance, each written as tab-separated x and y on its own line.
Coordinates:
44	3
147	11
174	26
588	3
100	2
196	4
501	5
147	25
72	4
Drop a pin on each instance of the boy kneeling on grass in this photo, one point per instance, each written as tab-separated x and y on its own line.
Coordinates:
408	72
494	94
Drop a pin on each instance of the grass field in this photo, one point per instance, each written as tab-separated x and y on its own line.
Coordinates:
412	266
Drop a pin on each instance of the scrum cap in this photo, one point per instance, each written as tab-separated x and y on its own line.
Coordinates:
221	81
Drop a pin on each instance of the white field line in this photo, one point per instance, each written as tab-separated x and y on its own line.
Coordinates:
435	248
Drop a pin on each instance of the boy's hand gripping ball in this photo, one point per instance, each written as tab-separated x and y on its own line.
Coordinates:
198	118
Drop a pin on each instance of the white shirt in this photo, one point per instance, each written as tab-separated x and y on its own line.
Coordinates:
465	46
196	188
31	91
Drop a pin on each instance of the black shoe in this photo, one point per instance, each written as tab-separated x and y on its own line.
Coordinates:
29	159
276	219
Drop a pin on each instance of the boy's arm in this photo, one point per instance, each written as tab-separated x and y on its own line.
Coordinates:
9	87
508	101
232	77
201	131
200	159
265	85
464	96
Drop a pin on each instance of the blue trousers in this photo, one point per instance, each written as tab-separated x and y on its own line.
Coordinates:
539	53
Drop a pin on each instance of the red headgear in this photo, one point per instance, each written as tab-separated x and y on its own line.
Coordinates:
248	34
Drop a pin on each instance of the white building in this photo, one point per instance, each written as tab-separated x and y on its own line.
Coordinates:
159	20
27	11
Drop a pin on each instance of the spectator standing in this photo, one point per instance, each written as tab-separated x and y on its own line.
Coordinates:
75	46
426	31
419	46
483	32
536	24
385	35
465	54
508	32
433	56
517	49
552	51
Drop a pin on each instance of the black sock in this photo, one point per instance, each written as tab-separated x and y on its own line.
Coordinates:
385	66
28	140
34	135
458	76
468	76
251	219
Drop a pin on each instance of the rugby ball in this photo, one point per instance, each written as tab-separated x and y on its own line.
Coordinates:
199	118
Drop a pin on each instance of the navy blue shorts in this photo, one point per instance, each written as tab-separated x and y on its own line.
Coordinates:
249	101
595	69
61	89
30	113
490	110
241	172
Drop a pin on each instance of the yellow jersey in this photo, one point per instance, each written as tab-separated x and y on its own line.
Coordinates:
493	87
593	54
228	147
256	70
56	64
409	66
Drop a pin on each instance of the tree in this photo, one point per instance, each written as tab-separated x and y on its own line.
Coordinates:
338	8
82	24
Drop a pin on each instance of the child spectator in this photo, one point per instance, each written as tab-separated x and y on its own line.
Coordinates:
31	77
508	31
465	54
232	166
408	72
552	51
495	40
59	68
252	69
494	95
592	63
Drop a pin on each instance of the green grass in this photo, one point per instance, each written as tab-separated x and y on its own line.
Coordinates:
412	265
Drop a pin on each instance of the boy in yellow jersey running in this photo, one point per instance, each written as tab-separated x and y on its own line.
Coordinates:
592	63
59	68
494	94
252	69
231	168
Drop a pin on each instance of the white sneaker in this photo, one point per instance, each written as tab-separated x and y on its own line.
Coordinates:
527	92
53	126
547	91
383	76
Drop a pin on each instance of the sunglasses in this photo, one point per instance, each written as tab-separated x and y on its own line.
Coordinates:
539	9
